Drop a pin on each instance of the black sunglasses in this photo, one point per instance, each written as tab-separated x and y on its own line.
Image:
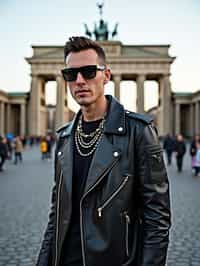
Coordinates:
88	72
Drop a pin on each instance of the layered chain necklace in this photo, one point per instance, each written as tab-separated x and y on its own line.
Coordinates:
89	141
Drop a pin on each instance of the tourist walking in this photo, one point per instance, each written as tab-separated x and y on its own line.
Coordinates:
197	159
43	148
180	149
193	150
169	146
18	147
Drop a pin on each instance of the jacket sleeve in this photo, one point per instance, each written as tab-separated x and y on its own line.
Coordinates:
45	254
153	197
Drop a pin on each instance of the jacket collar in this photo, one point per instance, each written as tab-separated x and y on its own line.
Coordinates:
115	120
114	124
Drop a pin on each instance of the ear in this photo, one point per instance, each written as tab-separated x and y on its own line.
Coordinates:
107	75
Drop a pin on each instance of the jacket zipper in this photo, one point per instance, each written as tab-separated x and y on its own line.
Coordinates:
57	218
81	213
127	231
100	209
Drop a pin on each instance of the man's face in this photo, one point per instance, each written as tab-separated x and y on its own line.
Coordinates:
87	91
180	137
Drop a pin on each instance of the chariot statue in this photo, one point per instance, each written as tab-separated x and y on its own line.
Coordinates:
101	32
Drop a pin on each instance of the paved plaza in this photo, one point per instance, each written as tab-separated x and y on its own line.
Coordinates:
25	191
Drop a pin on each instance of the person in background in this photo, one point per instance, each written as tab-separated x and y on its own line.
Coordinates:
49	146
180	149
10	148
169	146
43	148
24	141
197	159
193	150
18	147
3	152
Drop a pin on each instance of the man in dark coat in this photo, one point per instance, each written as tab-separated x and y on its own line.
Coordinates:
110	202
169	146
180	149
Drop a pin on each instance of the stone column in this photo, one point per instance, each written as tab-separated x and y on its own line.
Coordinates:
34	108
197	117
191	122
177	119
117	80
2	118
60	101
8	118
22	119
165	103
140	93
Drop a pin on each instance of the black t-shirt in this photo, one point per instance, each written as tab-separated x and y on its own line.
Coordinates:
71	252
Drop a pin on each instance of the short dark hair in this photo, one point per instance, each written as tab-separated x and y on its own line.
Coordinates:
80	43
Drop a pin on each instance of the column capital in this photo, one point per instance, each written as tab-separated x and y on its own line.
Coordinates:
164	77
117	77
34	76
59	77
140	77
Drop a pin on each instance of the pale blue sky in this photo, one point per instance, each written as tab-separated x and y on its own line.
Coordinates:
23	23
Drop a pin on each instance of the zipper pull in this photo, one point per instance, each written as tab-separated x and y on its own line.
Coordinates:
157	157
126	178
99	212
127	218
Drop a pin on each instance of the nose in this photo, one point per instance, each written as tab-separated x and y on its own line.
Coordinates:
80	78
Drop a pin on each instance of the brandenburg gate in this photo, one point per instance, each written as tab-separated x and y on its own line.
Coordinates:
127	62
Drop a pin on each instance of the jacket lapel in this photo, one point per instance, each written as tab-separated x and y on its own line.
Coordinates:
65	154
105	155
66	161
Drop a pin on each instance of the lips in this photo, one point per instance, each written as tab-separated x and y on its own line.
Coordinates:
81	92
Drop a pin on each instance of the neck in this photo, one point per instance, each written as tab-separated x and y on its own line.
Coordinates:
94	112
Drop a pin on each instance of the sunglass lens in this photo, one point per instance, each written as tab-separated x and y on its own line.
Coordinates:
88	72
70	74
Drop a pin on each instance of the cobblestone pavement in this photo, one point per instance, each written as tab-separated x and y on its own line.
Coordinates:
184	248
25	191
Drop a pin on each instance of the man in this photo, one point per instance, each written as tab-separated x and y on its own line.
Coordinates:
180	149
110	203
168	146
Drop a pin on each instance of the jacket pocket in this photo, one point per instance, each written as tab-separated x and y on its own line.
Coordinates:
113	195
156	163
133	239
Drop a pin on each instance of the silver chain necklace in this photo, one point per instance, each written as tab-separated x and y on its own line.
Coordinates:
88	141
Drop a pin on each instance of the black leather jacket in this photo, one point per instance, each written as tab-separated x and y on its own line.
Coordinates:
125	209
